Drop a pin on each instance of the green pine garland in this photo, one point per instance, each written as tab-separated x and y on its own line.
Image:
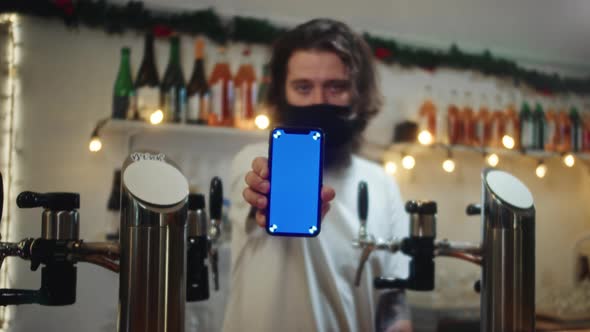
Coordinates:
115	18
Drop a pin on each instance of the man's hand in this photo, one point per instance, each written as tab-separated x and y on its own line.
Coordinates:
259	186
400	326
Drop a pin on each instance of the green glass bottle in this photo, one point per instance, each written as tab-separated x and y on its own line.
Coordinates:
576	129
197	90
147	83
526	127
124	93
539	127
173	88
263	88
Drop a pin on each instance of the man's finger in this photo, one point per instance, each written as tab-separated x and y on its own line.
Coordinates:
327	194
260	219
255	199
257	183
260	167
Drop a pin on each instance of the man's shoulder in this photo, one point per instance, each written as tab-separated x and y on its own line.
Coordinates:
373	172
362	164
250	151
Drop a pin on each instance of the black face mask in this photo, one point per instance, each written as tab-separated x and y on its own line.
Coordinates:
336	122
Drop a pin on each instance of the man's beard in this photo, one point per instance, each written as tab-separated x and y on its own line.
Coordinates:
342	130
340	157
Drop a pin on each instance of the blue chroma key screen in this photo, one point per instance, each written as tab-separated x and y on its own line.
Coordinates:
295	177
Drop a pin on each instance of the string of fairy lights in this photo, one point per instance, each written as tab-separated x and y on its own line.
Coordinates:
9	62
408	161
491	156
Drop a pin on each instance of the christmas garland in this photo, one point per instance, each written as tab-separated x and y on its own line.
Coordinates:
117	18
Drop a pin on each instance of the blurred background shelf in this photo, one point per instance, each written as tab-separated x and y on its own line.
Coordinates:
129	127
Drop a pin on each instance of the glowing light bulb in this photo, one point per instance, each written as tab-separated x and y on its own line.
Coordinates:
408	162
569	160
262	121
448	165
541	170
157	117
390	168
425	137
493	160
508	142
95	144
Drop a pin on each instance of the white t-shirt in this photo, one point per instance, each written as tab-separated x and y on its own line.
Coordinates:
307	284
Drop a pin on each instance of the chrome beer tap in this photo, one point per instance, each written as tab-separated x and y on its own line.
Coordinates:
197	271
203	235
366	241
363	241
421	245
506	255
215	212
152	259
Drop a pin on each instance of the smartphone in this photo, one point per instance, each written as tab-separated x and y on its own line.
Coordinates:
296	157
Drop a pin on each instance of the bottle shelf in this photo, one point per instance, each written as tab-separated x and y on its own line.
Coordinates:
417	149
129	127
120	137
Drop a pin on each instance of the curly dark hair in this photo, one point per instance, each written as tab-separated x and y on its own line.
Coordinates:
328	35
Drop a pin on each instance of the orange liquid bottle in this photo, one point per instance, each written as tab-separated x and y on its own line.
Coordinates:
469	121
427	114
551	133
497	124
564	128
454	126
221	87
512	123
482	123
497	128
245	94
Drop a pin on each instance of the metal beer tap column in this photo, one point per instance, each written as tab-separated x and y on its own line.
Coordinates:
506	255
215	212
203	235
152	257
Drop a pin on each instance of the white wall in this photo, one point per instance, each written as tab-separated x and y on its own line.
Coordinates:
66	80
516	29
